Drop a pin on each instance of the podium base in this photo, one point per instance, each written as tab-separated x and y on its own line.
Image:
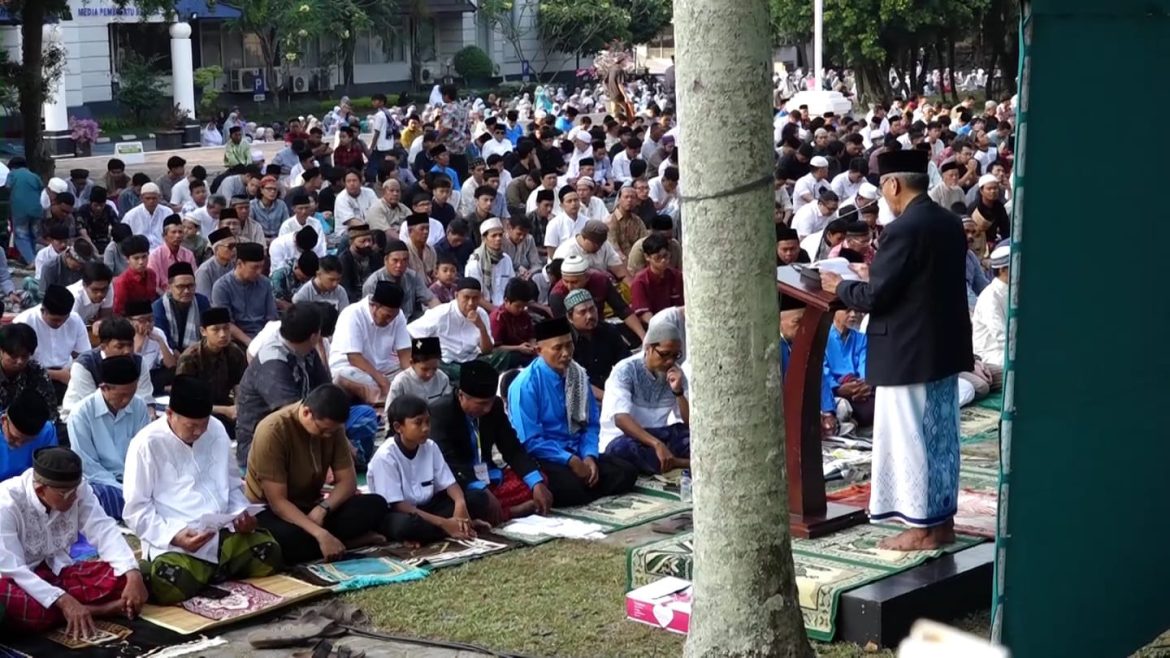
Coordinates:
836	517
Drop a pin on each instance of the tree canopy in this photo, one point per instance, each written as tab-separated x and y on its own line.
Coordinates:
581	28
647	17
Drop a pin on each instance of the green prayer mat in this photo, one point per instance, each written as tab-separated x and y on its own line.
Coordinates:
977	421
825	567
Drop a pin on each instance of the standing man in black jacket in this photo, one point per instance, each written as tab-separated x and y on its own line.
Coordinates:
467	424
919	340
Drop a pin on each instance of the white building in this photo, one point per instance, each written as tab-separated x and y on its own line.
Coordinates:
99	33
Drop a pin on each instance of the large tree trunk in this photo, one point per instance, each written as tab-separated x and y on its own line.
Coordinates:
31	89
745	591
873	83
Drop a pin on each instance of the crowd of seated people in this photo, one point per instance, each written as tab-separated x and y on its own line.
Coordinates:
232	351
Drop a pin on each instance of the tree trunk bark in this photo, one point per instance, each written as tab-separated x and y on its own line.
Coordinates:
31	89
745	590
873	84
951	65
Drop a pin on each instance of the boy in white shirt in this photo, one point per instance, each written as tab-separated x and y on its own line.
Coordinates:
423	378
408	470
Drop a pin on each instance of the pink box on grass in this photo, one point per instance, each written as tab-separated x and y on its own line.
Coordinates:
665	603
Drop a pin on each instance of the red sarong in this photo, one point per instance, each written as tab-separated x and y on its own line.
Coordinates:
90	582
511	491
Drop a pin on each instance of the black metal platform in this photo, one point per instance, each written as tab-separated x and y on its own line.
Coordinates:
942	589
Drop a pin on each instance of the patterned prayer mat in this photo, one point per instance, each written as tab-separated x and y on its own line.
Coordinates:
977	506
977	421
360	573
825	567
246	599
450	552
627	510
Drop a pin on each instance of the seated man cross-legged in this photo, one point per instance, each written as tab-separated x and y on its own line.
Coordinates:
43	512
408	470
292	450
640	396
102	426
469	426
178	469
557	421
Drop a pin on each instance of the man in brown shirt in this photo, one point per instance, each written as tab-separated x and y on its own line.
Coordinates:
218	361
292	451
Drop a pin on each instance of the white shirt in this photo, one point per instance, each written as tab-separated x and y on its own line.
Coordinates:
30	535
845	188
562	227
81	384
82	305
621	398
347	208
181	192
284	249
600	260
357	334
530	205
381	129
989	323
268	333
621	168
168	485
457	335
494	146
398	478
435	234
149	224
502	272
467	196
55	347
649	146
595	209
809	220
207	223
291	225
45	256
806	185
658	194
151	353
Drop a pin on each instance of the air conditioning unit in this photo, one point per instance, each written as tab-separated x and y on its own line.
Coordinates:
243	81
322	79
298	83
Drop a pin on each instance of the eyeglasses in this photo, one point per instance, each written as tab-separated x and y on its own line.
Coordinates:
183	286
670	356
65	493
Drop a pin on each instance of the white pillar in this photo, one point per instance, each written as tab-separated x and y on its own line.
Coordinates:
183	70
818	42
57	102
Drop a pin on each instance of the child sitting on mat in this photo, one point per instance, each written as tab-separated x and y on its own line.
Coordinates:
408	470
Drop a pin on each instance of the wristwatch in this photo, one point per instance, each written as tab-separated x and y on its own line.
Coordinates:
324	504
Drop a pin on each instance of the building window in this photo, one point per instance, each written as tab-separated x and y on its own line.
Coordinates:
378	49
148	40
427	34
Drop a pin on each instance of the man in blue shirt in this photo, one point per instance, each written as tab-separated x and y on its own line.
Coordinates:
26	207
557	421
101	426
791	313
844	374
26	429
442	159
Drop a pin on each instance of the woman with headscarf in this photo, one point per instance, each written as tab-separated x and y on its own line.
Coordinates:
436	97
210	135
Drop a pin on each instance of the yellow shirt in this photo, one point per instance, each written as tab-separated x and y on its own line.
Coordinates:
409	135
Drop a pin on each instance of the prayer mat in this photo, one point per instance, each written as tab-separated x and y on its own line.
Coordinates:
136	637
825	567
360	573
246	599
978	512
661	484
627	510
976	422
450	552
107	633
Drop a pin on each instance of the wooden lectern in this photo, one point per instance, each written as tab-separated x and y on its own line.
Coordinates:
810	515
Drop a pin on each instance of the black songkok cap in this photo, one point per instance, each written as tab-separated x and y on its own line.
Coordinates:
903	162
179	269
58	300
478	379
468	283
215	315
552	328
544	195
172	220
418	219
28	412
425	348
57	467
388	294
219	234
788	303
785	233
191	397
137	307
119	370
249	252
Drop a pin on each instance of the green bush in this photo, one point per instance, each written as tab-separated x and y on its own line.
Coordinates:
140	86
473	64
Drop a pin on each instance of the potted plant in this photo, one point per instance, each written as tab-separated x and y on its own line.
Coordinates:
474	66
170	134
84	133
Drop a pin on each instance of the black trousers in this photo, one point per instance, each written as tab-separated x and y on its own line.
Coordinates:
614	476
411	527
361	514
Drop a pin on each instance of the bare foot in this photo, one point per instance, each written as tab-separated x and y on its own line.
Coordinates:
914	539
523	509
368	539
945	533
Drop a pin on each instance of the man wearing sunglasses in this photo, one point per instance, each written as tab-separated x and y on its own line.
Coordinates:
42	513
642	394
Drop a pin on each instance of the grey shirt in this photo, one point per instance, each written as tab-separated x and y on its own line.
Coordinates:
309	293
415	294
252	305
210	272
114	259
